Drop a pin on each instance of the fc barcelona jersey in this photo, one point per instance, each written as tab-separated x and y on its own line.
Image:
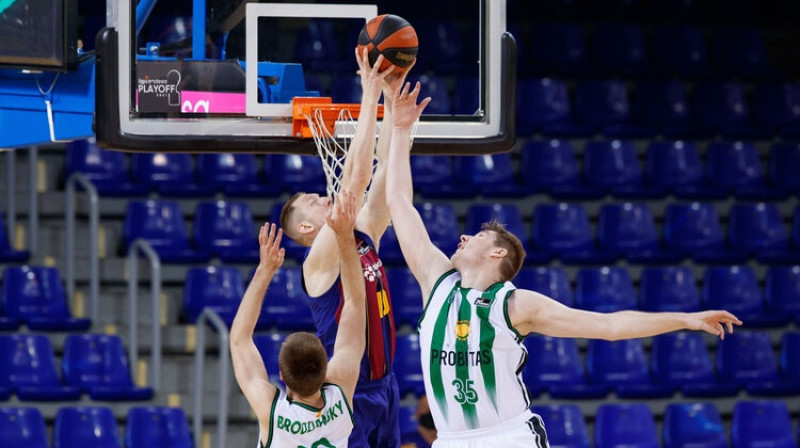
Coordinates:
325	309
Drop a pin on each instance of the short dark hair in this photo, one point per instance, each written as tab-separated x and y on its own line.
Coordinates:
512	262
303	363
286	216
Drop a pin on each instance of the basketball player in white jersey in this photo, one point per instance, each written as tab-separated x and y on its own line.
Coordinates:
475	319
315	409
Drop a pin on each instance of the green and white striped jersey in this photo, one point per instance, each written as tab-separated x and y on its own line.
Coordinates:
472	358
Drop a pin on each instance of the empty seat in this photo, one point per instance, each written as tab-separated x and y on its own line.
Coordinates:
555	365
34	295
160	223
390	251
790	356
605	106
784	158
447	52
7	251
604	290
551	166
298	173
665	106
681	359
442	225
566	427
746	358
776	105
613	166
493	174
695	230
741	51
408	366
406	296
564	229
285	304
86	427
552	282
761	424
669	288
629	230
696	425
217	287
226	229
22	428
30	370
346	89
618	425
623	366
506	214
436	88
736	168
157	427
679	49
236	175
269	347
782	290
319	47
171	174
433	177
735	289
757	228
722	108
544	105
106	170
675	166
620	49
97	365
559	47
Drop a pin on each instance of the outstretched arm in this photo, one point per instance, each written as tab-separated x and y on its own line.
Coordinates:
247	364
345	364
425	260
530	312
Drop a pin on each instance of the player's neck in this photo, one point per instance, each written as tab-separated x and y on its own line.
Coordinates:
314	400
478	278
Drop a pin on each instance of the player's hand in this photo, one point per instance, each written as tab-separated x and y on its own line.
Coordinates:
371	77
714	322
342	217
270	250
406	111
393	83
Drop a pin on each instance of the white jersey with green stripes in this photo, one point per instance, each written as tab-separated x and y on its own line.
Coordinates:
298	425
472	358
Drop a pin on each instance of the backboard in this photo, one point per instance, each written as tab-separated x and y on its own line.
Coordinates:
220	75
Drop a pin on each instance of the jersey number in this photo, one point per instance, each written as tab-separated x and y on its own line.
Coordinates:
321	443
466	393
383	304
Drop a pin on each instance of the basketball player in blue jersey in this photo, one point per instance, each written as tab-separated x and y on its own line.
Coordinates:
376	401
474	320
315	410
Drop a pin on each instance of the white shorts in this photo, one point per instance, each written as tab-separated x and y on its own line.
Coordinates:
523	431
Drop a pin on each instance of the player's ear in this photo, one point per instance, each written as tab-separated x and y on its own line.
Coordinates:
498	252
305	228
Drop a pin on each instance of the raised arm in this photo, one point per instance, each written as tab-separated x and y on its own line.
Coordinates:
345	364
425	260
530	312
247	364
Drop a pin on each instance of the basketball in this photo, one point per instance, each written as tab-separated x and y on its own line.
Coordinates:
391	36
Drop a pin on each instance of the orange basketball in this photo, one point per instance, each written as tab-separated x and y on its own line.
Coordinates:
393	37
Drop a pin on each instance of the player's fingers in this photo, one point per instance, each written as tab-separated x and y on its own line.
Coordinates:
262	235
417	87
404	90
386	72
279	237
377	65
423	104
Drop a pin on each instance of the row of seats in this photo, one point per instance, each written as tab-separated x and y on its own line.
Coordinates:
95	427
678	362
763	423
92	364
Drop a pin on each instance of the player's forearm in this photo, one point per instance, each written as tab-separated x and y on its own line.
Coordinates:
352	320
637	324
250	307
357	170
399	188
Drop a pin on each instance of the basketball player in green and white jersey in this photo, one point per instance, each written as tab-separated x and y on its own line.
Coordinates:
315	410
475	319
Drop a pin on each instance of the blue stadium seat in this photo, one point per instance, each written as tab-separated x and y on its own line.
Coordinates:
85	427
220	288
107	170
604	290
408	365
721	107
30	370
157	426
629	229
552	282
566	427
466	98
171	174
555	365
675	166
563	230
506	214
433	178
682	360
390	252
408	425
665	106
697	425
624	366
790	356
679	49
735	289
319	47
551	166
622	425
7	252
736	168
442	224
613	166
298	173
758	229
544	105
493	174
285	303
763	423
776	105
97	365
740	51
22	428
436	88
782	290
445	50
294	250
695	230
668	288
160	223
746	358
34	295
346	89
236	175
406	296
269	347
620	49
559	47
604	105
226	229
784	158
